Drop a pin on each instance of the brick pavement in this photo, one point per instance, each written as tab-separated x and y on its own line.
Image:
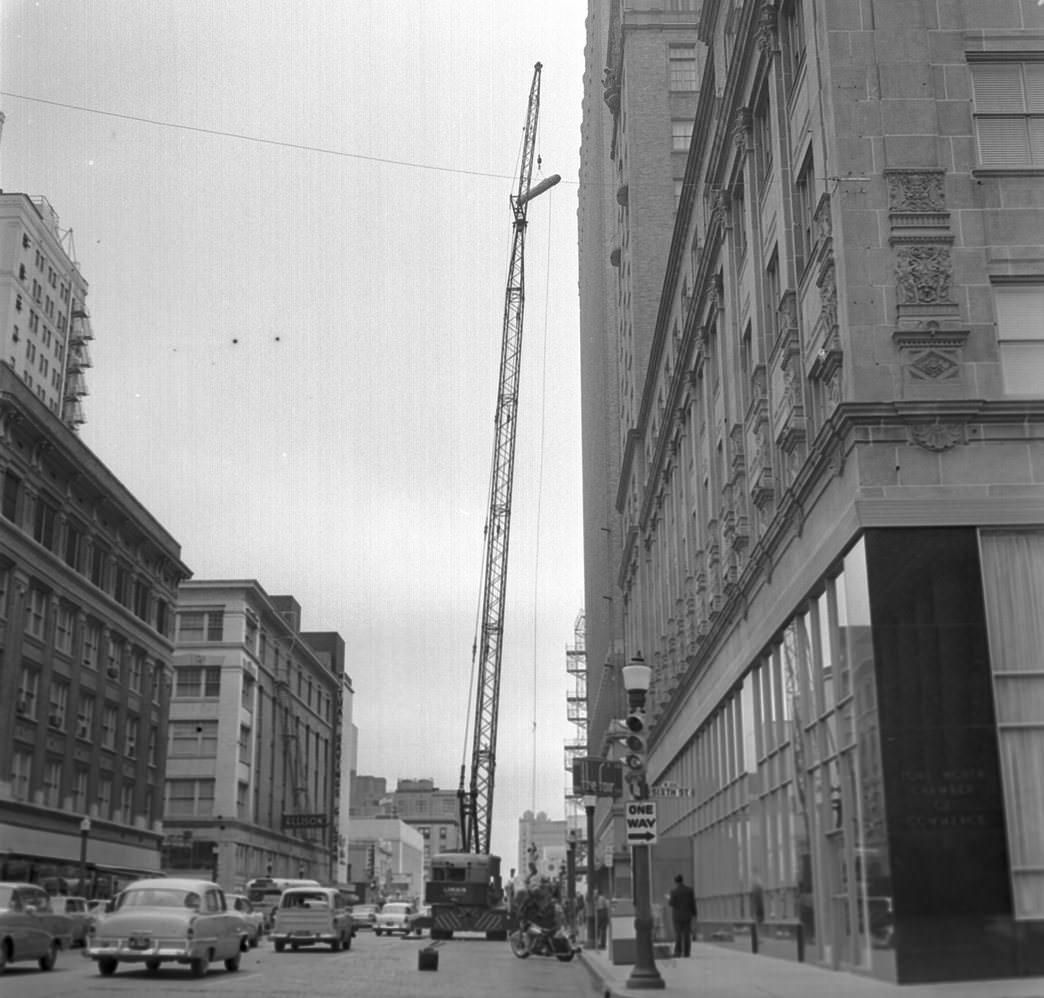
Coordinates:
718	972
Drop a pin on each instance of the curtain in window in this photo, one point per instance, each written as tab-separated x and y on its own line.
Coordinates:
1013	580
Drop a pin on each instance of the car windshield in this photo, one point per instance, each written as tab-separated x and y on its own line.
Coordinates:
395	909
5	897
364	909
157	897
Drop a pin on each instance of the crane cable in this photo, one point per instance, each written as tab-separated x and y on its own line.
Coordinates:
539	496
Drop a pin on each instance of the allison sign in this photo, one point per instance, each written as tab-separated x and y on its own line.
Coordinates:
594	777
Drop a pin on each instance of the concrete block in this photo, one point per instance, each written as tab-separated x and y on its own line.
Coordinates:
954	117
946	47
917	466
909	151
908	117
958	82
905	80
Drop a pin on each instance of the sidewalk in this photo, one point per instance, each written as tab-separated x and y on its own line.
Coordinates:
718	972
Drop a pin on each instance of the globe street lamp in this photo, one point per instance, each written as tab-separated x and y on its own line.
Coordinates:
636	678
590	803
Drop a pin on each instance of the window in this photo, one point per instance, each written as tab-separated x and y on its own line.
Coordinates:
84	716
36	613
681	134
1008	99
12	492
151	757
27	692
190	797
244	744
130	738
772	290
91	641
194	624
52	782
679	185
739	218
193	738
762	128
682	75
141	600
127	804
804	209
43	523
105	797
63	628
1020	337
196	681
98	558
79	789
59	701
73	540
21	770
108	728
121	584
793	37
137	668
114	658
215	625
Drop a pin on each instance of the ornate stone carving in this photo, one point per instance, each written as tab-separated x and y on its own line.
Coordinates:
741	127
931	355
767	29
822	220
720	208
937	436
828	299
915	190
923	275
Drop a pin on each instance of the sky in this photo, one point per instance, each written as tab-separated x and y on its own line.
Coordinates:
294	220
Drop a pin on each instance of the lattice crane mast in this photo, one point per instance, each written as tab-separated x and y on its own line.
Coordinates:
476	798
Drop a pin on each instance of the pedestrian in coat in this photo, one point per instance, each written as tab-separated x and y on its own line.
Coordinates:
682	900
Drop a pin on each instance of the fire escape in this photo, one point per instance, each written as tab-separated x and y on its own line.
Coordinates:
78	359
576	710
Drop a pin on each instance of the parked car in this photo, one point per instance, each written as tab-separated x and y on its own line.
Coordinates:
167	920
253	917
79	917
30	929
421	920
310	916
364	915
394	917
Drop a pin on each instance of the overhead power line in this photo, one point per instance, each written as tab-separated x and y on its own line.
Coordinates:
260	140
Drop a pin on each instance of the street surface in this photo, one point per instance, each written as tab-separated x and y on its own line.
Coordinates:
385	967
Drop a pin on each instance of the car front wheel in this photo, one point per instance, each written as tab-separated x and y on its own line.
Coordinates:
107	966
198	966
50	958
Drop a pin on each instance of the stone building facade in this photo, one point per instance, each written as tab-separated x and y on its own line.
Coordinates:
260	716
88	586
832	485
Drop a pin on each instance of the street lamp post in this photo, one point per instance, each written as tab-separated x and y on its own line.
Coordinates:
85	831
571	878
636	678
590	802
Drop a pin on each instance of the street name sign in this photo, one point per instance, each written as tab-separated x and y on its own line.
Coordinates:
640	816
595	777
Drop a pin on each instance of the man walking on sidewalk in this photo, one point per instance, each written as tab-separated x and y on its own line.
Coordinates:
682	900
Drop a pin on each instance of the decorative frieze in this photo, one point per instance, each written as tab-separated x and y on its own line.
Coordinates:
915	190
937	436
931	356
924	275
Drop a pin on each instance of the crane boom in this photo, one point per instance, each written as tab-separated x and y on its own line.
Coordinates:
476	800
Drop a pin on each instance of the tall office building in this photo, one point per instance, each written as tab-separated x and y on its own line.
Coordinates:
44	325
831	484
641	75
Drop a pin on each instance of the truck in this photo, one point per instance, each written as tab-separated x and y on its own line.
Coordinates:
312	916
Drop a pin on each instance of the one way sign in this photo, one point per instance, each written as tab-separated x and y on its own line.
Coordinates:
641	822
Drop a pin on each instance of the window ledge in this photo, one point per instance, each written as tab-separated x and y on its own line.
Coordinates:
1008	171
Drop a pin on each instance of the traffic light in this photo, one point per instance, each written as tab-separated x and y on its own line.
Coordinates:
636	739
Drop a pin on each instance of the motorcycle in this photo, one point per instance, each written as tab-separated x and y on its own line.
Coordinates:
532	940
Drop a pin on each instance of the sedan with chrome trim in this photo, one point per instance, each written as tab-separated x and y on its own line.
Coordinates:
167	920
